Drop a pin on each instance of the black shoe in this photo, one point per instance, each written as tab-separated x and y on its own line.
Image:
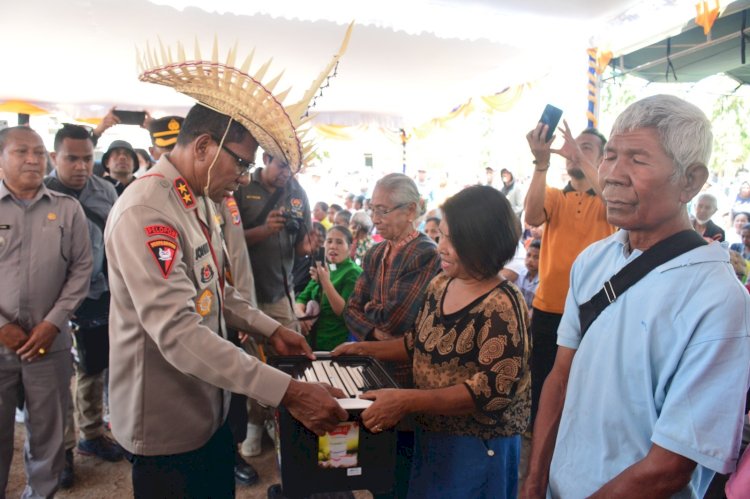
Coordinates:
101	447
245	474
67	477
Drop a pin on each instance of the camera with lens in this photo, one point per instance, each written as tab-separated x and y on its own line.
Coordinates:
291	223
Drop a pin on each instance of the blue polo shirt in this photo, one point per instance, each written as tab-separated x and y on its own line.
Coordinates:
667	363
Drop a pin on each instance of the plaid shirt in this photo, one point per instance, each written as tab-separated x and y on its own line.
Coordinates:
393	295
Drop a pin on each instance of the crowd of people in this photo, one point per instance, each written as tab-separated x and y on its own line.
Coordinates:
503	313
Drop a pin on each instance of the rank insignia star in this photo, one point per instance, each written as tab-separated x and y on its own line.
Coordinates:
183	191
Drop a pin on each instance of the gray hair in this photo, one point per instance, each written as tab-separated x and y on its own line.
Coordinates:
363	220
710	197
403	190
684	130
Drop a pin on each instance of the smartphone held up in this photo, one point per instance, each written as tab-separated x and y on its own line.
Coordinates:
550	117
130	117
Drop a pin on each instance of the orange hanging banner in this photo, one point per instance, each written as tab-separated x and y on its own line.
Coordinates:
705	17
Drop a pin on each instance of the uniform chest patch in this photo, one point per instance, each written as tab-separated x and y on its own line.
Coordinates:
207	273
160	230
204	303
164	253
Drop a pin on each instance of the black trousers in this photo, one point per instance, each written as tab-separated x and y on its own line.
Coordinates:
544	336
201	473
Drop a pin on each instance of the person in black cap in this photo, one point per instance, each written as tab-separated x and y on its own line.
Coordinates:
164	132
119	164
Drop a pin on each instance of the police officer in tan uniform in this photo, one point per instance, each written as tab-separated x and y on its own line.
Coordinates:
239	273
46	264
171	367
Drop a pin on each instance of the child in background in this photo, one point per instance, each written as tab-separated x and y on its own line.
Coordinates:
528	278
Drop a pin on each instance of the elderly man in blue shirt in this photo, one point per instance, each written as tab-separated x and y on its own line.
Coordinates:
650	402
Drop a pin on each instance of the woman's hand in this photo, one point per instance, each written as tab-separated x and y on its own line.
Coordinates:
389	407
539	147
352	348
323	275
314	272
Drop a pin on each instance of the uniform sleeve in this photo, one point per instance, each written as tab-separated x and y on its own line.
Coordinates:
241	315
164	307
80	266
239	260
500	349
702	415
399	311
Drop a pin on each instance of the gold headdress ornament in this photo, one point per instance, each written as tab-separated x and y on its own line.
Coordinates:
235	93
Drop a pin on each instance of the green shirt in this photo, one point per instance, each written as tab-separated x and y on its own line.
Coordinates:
331	330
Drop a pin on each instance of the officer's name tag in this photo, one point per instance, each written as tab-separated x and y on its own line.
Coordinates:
4	227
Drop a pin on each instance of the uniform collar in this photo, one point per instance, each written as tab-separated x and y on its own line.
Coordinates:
42	192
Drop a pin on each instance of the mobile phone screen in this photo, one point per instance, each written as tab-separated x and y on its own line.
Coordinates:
320	255
130	117
551	117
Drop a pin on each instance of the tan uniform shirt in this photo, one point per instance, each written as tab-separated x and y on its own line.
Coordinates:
171	370
45	261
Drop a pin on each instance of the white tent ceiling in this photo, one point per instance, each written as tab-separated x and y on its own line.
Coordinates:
407	61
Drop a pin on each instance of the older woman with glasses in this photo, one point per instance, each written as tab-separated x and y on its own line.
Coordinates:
390	291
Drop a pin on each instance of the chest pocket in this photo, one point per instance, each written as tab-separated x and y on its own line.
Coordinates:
55	235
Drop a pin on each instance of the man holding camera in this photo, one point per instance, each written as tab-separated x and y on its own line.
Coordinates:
277	222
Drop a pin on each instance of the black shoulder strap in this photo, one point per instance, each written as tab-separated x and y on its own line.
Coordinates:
261	218
659	253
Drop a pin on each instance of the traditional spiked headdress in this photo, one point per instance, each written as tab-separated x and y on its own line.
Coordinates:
233	92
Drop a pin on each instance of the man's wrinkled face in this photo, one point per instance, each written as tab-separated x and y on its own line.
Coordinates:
704	210
120	161
74	162
23	160
638	181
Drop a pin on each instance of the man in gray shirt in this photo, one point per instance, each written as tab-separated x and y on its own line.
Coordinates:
73	175
45	261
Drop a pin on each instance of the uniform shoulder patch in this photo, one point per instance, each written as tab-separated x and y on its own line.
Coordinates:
234	211
160	230
164	253
183	191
